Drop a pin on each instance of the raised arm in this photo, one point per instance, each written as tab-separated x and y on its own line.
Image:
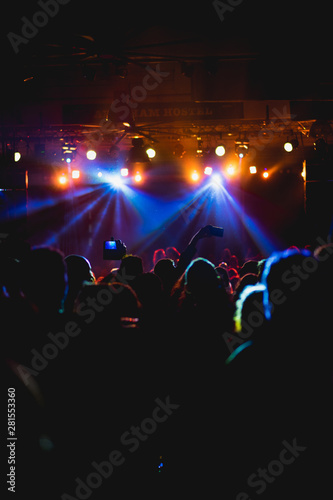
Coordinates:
190	251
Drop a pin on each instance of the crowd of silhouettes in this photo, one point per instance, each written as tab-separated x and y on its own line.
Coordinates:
241	348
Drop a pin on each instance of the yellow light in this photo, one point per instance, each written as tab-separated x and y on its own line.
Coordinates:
195	176
220	150
288	147
91	154
208	171
231	170
151	153
303	174
199	145
253	169
241	150
17	156
62	179
138	177
265	175
75	174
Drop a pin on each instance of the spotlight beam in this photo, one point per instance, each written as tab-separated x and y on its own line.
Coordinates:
101	217
74	220
266	244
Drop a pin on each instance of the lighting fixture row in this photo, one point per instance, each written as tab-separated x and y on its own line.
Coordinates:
150	152
241	149
230	171
117	179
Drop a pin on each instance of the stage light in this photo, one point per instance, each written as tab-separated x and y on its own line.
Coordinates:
241	150
17	156
242	145
199	147
216	179
138	177
116	180
265	174
91	154
124	172
220	150
208	171
231	170
75	174
289	146
99	174
68	151
151	153
195	176
253	169
62	179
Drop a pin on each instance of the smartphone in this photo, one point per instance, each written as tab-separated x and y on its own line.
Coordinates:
113	250
216	231
110	245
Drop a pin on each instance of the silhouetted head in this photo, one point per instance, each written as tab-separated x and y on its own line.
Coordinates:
78	269
249	315
158	254
201	278
131	266
250	266
166	271
246	280
233	262
44	279
290	295
79	272
172	253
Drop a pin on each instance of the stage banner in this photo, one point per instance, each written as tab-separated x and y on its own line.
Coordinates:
152	112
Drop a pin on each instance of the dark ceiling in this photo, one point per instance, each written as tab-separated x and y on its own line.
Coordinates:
288	37
241	51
